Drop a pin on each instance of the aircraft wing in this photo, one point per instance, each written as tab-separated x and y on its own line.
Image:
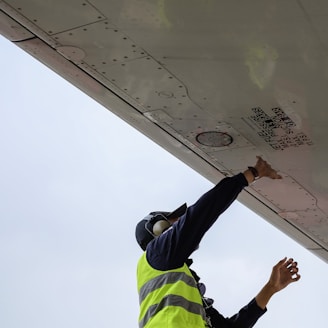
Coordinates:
214	82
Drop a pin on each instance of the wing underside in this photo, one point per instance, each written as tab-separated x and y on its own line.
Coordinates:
213	82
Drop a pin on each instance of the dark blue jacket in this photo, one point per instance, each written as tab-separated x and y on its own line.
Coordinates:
172	248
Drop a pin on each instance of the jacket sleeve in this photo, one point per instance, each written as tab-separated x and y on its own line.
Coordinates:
245	318
171	249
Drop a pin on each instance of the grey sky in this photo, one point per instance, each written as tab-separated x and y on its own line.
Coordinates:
74	181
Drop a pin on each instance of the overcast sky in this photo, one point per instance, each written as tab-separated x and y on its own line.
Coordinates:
75	180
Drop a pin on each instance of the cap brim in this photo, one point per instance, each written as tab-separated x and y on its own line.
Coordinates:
177	212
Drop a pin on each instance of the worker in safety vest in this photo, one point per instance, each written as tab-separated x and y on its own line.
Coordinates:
170	293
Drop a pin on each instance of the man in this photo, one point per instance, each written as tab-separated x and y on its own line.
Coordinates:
170	293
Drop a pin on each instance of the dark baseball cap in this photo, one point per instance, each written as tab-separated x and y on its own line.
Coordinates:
144	228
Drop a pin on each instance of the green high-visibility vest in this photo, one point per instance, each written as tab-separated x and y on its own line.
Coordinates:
168	299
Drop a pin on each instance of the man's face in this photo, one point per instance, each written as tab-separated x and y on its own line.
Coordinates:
174	220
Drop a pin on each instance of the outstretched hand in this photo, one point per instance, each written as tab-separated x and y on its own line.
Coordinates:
264	169
283	273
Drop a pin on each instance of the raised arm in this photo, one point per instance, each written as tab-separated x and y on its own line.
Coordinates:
283	273
172	248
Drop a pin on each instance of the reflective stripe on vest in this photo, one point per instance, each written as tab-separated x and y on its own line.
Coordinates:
168	296
167	278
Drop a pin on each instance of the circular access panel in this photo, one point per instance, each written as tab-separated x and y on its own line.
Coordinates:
214	139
